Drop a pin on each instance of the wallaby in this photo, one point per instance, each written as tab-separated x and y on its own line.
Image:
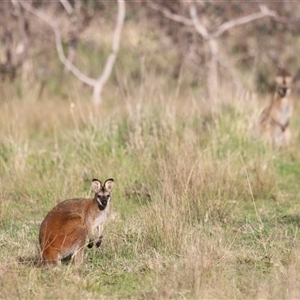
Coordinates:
274	121
65	228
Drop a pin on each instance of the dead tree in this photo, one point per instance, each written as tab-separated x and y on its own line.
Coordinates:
210	38
16	38
96	84
80	18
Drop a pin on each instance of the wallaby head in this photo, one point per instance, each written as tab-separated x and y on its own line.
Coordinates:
284	82
102	192
65	229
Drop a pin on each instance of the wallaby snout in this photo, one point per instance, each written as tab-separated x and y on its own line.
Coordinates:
283	91
104	202
66	227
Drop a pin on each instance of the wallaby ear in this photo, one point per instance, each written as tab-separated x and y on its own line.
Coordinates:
108	184
96	184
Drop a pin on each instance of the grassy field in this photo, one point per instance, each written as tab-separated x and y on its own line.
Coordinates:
201	209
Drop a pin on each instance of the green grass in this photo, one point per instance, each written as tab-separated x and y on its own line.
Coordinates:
213	219
201	209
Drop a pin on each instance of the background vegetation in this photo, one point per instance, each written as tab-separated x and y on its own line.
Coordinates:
201	207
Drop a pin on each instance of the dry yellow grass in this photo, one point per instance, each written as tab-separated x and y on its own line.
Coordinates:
211	212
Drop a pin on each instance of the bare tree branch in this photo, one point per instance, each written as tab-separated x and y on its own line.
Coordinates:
22	57
58	41
112	56
76	28
197	24
265	12
194	21
211	38
67	6
169	15
100	82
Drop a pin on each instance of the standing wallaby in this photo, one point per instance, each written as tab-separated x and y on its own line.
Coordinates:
66	227
274	121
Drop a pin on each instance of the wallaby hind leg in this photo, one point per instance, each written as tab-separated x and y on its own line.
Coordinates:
79	252
78	256
51	257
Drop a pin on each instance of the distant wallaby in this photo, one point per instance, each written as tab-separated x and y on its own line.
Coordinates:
65	228
274	121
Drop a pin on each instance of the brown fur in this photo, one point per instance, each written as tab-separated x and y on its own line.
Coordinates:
65	228
274	122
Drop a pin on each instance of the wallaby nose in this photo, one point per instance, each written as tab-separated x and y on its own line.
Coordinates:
282	91
104	202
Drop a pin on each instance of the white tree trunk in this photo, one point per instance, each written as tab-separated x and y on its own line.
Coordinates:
98	87
99	83
212	80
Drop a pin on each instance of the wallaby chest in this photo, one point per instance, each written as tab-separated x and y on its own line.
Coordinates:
284	111
101	216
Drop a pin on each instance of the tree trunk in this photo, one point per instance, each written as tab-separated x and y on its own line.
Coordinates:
212	71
